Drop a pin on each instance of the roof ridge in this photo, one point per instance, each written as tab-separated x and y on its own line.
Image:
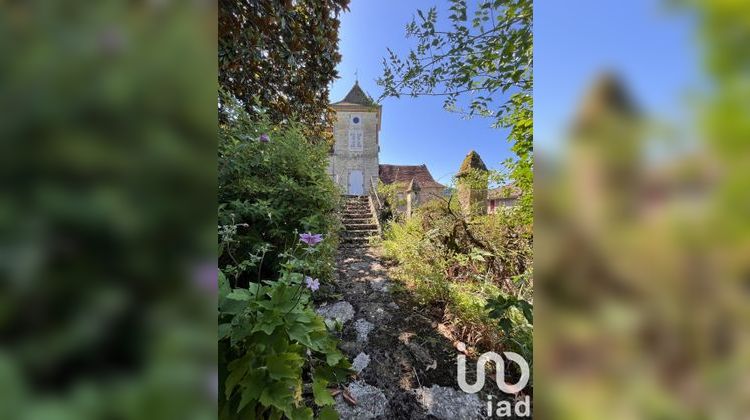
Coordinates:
357	96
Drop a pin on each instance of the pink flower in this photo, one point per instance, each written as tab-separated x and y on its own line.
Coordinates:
312	284
310	239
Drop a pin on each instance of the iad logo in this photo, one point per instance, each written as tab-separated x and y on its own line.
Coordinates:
522	408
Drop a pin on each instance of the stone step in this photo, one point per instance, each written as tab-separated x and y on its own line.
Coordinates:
351	234
357	215
360	226
359	220
356	241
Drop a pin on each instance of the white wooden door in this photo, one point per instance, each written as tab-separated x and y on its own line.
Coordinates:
356	183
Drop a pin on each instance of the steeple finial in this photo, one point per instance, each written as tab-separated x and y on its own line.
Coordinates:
356	76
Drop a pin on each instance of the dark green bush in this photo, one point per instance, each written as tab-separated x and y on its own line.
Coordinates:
273	186
274	190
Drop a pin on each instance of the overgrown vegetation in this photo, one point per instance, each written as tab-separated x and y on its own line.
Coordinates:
479	271
277	223
480	60
273	191
392	199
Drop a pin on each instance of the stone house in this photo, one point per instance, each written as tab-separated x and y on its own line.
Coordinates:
412	176
502	197
354	162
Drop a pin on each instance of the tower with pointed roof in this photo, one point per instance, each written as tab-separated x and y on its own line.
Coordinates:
353	162
471	182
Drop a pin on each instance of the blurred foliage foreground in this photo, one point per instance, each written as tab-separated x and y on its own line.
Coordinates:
107	258
643	264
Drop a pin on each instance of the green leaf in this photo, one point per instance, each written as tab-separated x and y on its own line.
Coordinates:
302	413
328	413
224	288
320	392
224	330
527	310
506	325
278	394
240	294
268	321
301	334
333	357
284	365
237	371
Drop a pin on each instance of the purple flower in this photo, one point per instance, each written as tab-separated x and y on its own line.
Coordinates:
206	276
264	138
312	284
310	239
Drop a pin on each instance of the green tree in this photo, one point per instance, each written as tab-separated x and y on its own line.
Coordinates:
280	56
482	66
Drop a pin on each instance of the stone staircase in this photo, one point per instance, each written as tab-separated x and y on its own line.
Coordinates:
359	222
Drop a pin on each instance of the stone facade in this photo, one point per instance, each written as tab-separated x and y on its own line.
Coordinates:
404	175
471	182
354	160
502	197
344	160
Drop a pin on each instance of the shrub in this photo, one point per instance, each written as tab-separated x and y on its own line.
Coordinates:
472	268
270	343
273	186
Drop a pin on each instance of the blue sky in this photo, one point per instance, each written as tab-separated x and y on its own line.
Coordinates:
651	47
415	130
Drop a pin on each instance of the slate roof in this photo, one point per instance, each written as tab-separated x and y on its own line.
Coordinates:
406	173
356	96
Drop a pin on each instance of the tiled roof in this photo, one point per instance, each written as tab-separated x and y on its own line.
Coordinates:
507	191
356	96
405	173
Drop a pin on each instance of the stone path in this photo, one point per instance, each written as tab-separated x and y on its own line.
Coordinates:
405	368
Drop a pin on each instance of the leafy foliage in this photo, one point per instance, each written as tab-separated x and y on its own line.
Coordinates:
500	307
392	198
269	339
484	59
273	190
280	56
108	136
469	268
272	187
